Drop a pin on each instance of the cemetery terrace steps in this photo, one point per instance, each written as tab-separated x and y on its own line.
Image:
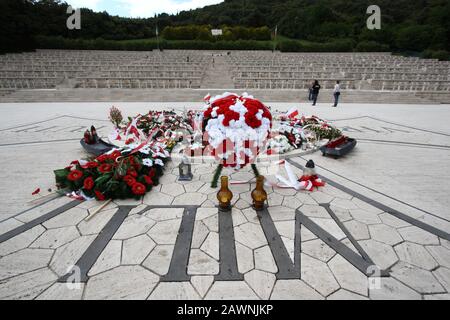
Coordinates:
188	75
189	95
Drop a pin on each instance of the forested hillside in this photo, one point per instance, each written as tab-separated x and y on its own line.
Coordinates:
407	25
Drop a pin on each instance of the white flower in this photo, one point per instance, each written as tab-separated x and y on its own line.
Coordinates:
85	197
147	162
82	162
132	146
214	112
196	145
145	150
280	144
260	115
159	162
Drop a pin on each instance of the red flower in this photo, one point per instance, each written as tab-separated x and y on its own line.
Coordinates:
148	180
102	158
105	168
73	163
224	103
90	165
139	189
229	116
135	165
252	121
253	105
207	113
88	183
222	109
75	175
100	196
267	114
116	154
129	180
152	173
252	111
132	173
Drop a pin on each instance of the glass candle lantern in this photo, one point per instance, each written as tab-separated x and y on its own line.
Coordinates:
185	170
224	195
259	195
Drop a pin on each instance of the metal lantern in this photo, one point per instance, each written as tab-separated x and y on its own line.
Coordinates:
185	170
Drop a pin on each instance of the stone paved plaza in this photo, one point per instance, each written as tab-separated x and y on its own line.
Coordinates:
385	204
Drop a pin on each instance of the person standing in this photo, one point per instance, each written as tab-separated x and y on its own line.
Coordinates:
315	89
337	93
310	96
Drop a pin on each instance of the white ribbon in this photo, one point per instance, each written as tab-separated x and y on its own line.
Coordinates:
293	180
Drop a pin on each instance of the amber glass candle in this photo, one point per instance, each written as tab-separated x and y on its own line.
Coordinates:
259	195
224	195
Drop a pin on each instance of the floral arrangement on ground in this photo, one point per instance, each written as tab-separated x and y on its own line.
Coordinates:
234	129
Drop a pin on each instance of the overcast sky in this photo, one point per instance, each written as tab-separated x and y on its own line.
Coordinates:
140	8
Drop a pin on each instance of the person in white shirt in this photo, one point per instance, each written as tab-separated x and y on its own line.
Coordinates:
336	93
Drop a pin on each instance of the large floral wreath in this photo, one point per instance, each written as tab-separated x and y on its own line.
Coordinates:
237	128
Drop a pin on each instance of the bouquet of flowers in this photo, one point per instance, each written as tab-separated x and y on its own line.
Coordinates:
167	123
293	134
304	132
279	144
153	125
116	174
237	128
134	167
322	128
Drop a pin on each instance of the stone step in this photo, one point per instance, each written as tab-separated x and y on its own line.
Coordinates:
217	75
161	95
5	92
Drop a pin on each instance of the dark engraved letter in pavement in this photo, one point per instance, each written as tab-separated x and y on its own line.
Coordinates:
180	259
357	261
38	221
96	248
228	261
286	269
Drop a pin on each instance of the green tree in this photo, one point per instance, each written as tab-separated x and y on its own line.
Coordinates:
415	38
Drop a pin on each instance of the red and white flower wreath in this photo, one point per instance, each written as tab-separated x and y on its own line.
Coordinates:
237	128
